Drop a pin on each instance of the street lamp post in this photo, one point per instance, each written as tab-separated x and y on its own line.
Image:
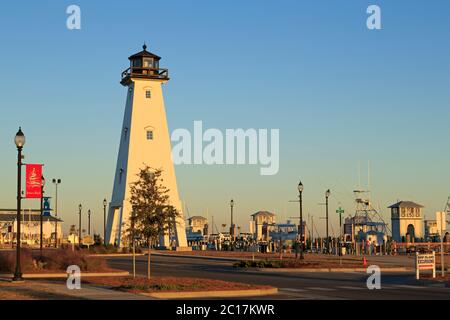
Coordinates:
327	195
42	216
56	182
79	225
300	193
232	223
105	202
19	140
340	211
89	222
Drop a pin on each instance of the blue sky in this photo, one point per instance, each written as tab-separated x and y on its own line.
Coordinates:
339	93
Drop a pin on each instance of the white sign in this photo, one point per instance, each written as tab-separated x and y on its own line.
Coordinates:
425	262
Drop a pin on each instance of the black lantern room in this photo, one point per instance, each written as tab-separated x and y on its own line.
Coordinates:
144	65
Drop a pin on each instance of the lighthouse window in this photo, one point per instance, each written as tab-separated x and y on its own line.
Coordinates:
148	63
148	94
149	135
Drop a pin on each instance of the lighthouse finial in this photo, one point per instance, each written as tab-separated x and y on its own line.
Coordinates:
144	46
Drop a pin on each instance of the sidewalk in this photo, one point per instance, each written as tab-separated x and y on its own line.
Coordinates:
49	290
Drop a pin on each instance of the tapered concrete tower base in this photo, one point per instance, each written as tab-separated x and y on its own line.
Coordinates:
144	141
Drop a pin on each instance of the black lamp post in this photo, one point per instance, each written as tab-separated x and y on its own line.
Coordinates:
42	216
89	222
79	225
104	220
232	222
19	140
56	182
300	200
327	195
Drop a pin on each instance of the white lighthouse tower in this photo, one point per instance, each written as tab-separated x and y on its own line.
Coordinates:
144	140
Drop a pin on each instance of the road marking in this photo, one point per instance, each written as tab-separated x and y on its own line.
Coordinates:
293	290
320	289
406	286
387	288
351	288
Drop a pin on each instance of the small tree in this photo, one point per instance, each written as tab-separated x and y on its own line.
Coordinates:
151	213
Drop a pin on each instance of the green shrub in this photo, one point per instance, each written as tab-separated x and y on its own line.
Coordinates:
258	264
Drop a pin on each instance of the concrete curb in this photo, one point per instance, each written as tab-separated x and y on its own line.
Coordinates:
199	257
212	294
331	270
64	275
432	283
113	255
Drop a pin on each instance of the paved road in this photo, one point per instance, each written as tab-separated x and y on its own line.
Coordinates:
291	286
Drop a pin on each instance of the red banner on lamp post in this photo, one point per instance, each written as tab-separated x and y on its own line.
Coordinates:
33	182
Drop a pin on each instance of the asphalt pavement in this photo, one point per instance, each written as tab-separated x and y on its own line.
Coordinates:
301	286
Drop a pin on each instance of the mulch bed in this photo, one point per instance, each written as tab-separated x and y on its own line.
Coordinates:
168	284
300	264
46	271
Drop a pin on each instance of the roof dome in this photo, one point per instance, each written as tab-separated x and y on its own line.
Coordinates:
144	53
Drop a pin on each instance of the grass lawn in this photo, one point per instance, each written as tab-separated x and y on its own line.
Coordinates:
28	290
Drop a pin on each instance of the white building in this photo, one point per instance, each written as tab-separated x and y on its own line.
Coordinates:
198	224
407	221
30	228
431	230
262	224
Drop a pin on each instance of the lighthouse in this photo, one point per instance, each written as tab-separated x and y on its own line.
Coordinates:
144	140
